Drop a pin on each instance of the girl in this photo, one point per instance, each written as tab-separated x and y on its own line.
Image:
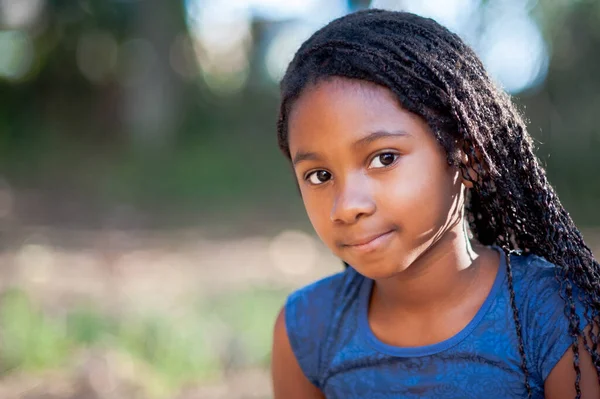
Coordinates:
466	277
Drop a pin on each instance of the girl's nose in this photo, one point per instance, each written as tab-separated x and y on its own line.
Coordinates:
352	202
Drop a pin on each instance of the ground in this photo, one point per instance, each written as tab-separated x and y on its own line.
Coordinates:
139	314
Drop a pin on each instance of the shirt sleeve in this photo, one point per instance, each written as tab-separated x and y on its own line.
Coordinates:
549	324
307	319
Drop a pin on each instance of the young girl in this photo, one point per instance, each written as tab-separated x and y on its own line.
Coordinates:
465	278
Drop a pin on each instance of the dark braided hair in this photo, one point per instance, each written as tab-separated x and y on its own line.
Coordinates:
434	74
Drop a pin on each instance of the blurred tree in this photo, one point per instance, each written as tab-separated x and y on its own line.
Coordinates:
153	103
101	68
563	110
102	83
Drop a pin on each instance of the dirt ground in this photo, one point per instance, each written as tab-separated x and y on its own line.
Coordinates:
135	271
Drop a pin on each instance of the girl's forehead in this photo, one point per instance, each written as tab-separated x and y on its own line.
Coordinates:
338	98
352	106
346	86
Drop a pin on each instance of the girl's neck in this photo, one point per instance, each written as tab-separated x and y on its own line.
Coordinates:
439	279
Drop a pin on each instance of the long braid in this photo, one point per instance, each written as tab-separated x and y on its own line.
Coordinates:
515	310
434	74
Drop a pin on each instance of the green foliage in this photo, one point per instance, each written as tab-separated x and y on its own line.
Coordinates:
69	138
232	331
250	315
177	350
30	339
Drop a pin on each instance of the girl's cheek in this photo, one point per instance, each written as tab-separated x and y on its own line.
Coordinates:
415	198
317	211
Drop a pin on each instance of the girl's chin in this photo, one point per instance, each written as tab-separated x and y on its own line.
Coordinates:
378	271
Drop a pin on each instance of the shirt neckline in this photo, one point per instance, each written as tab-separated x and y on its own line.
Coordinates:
426	350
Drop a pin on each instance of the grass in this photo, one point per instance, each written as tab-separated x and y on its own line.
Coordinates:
30	340
198	345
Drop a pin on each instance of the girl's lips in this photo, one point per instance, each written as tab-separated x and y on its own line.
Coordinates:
370	243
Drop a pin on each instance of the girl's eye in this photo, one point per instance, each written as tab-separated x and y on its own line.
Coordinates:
318	177
383	160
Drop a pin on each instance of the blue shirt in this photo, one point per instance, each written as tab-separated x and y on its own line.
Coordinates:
330	336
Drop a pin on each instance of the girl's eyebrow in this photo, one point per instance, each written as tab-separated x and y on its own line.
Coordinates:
363	141
305	156
379	134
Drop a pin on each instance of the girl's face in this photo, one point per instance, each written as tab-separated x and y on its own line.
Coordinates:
375	182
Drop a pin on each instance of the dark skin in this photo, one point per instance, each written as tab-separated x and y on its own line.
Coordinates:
380	194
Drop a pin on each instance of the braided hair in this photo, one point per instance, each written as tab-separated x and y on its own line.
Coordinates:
435	75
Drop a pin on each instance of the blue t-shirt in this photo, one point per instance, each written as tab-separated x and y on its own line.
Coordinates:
330	336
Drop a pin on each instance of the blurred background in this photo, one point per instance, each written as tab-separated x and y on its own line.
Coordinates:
150	229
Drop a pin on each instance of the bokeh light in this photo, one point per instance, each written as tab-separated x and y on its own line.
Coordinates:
283	46
513	49
505	36
151	230
293	252
222	34
17	54
20	13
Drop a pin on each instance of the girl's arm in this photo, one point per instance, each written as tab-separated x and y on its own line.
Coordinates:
560	383
289	382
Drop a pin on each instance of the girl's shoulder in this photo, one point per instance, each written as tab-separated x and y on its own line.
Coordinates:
546	318
310	313
539	286
537	281
310	309
532	272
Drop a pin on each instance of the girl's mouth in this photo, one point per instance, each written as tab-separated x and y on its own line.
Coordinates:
369	243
